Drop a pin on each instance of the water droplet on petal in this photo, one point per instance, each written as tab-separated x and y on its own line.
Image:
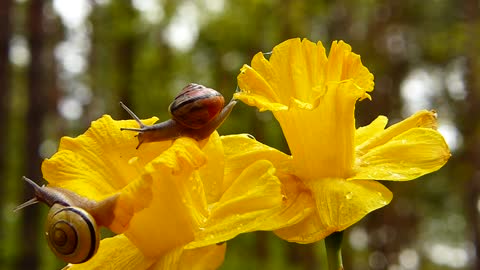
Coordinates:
349	195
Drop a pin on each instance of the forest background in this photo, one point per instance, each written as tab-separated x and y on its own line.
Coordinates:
66	63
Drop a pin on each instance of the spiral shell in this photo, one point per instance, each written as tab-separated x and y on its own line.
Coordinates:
71	233
196	105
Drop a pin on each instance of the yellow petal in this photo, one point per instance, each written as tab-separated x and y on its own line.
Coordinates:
96	164
194	198
241	151
341	203
297	204
308	230
115	253
362	134
164	225
131	199
167	222
256	188
256	91
407	156
204	258
212	173
343	64
252	198
299	68
169	260
295	71
298	71
193	188
423	118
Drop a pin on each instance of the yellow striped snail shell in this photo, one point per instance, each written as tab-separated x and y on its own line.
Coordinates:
72	225
72	233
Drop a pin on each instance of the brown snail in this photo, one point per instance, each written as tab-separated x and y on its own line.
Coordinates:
196	112
72	223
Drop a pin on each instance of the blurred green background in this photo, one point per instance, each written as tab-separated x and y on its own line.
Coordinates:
64	63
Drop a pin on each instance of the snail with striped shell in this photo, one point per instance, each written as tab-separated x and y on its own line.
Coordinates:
72	223
197	111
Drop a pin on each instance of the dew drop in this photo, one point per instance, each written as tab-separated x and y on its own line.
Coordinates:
349	195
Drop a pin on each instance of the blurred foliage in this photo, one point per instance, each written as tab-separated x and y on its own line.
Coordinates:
96	53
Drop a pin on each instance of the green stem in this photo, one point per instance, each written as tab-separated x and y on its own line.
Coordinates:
333	245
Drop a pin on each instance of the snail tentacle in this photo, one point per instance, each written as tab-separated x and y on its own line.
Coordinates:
134	116
32	201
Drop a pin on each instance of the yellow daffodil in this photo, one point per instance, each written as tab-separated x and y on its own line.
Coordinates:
328	180
176	205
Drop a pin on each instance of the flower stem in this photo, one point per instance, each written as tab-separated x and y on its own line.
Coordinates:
333	245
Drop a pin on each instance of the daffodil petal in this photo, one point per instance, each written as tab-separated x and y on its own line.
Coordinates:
96	164
343	64
131	199
213	171
256	188
423	118
196	162
169	260
295	70
256	90
297	204
407	156
193	197
203	258
167	222
115	253
362	134
242	150
341	203
308	230
298	70
252	198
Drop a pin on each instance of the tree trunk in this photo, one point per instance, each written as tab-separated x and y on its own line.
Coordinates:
29	258
471	154
5	34
125	52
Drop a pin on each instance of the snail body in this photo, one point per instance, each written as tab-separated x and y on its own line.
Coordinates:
72	225
197	111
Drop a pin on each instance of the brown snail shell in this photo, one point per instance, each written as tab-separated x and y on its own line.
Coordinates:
196	105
